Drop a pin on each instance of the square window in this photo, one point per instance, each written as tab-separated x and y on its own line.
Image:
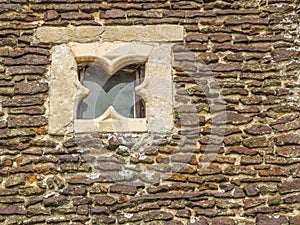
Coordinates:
112	87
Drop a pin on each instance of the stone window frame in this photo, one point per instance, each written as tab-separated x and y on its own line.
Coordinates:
153	48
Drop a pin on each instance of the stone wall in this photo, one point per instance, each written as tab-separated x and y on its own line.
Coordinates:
247	173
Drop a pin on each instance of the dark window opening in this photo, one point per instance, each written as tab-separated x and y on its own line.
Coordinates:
117	90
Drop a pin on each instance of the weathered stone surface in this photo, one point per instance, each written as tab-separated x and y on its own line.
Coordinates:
234	170
259	142
165	33
83	210
12	210
225	67
115	13
185	158
6	91
280	160
183	168
266	210
295	220
289	186
62	123
295	125
275	171
162	188
46	168
15	53
197	37
18	179
109	166
21	70
284	54
157	215
250	20
251	190
51	15
55	201
235	57
31	88
220	37
241	150
44	143
190	120
76	16
284	119
198	221
105	200
68	158
259	129
68	34
10	200
103	219
34	220
235	48
203	204
185	213
33	211
33	110
206	212
4	51
8	192
27	60
74	190
287	139
81	201
123	189
224	204
100	210
175	222
84	180
235	91
248	160
162	196
12	133
266	220
26	121
57	219
288	151
22	101
223	221
127	218
250	203
292	199
231	118
210	170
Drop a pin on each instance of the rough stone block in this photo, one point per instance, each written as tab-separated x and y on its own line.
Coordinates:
164	33
68	34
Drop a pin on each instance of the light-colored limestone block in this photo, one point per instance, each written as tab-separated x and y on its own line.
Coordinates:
85	34
154	33
157	91
65	90
59	35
